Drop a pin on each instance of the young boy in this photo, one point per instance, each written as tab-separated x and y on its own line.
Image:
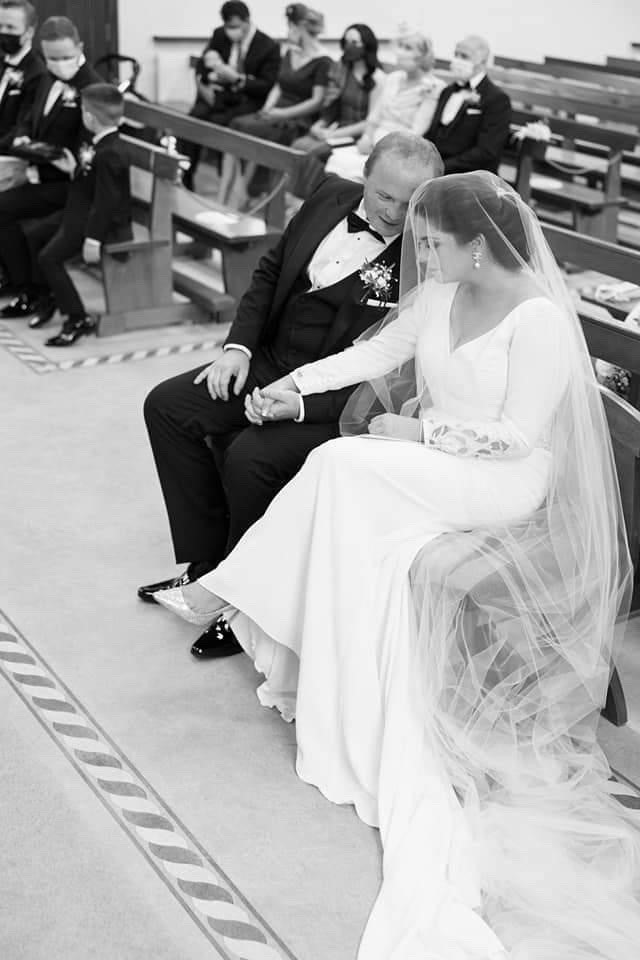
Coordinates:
55	118
97	211
20	69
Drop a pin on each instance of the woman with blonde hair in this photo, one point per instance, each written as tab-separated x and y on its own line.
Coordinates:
407	103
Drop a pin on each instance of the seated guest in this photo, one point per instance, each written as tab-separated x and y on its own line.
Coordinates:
407	102
20	69
97	211
355	84
55	118
471	124
293	104
307	299
238	68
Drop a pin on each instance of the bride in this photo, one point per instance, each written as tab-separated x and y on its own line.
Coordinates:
438	612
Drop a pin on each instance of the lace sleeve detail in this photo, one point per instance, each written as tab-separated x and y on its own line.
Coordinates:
468	439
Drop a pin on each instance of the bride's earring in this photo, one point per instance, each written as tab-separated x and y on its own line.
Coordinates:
475	256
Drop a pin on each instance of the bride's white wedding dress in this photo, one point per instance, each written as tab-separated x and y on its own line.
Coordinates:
322	601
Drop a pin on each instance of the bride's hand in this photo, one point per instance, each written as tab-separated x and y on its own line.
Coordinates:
393	425
271	403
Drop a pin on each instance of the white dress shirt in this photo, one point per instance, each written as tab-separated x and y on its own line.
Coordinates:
455	102
239	51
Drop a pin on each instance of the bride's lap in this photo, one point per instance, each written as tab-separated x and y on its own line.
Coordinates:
465	490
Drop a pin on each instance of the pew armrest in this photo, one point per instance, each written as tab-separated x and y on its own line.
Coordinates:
133	246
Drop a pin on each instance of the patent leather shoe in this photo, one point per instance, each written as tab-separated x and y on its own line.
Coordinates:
21	306
216	642
45	309
71	331
148	591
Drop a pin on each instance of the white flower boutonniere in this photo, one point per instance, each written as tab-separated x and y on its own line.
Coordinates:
377	279
472	98
538	130
86	155
15	79
69	96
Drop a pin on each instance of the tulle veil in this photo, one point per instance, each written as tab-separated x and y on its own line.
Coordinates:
516	631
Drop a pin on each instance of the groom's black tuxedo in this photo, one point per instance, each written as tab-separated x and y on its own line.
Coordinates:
212	501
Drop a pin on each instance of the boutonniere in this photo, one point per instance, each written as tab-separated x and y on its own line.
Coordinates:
472	98
537	130
377	279
86	155
69	96
15	79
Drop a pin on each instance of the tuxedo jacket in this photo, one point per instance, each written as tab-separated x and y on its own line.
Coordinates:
18	96
476	137
99	199
62	126
261	65
275	277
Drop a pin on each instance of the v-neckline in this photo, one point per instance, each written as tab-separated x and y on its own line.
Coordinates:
453	350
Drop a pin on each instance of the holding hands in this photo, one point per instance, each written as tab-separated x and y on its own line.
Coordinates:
279	401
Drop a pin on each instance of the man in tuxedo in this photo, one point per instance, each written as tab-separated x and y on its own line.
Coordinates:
20	67
56	119
470	126
306	300
238	68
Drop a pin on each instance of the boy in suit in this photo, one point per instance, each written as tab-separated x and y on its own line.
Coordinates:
20	69
98	208
55	118
238	68
470	126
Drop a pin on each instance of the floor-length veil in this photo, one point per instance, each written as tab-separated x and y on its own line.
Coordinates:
515	627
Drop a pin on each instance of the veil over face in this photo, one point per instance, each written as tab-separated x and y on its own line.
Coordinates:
515	625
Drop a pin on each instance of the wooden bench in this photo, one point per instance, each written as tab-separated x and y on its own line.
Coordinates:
241	239
137	274
596	75
594	211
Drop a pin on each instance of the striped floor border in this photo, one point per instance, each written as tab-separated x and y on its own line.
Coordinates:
39	363
233	927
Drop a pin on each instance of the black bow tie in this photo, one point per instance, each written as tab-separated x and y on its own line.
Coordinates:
464	86
356	224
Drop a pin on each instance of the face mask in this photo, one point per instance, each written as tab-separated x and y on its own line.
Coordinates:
294	38
10	44
461	69
235	34
353	52
63	69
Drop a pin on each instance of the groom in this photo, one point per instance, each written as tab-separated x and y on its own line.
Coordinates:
306	300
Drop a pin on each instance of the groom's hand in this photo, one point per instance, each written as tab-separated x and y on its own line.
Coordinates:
232	363
271	403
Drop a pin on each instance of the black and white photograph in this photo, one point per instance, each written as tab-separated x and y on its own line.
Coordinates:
319	480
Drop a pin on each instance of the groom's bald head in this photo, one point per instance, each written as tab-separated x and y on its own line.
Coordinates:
396	166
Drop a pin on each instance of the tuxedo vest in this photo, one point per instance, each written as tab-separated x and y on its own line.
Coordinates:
305	320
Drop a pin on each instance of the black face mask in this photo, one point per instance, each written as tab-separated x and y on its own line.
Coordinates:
10	44
352	53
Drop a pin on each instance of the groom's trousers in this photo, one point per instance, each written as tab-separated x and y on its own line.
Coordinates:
214	493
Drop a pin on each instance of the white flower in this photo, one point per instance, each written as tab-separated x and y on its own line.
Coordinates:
537	130
86	155
377	278
69	94
15	78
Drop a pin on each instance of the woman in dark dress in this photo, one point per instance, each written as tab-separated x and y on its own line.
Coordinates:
293	104
355	82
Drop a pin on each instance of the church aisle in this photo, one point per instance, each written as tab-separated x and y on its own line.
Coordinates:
82	525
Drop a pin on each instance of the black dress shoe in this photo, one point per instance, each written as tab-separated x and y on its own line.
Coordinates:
45	309
148	591
71	331
23	305
217	641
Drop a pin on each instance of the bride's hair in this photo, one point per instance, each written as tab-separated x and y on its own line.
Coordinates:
481	208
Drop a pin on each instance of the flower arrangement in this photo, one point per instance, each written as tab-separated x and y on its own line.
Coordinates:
537	130
377	279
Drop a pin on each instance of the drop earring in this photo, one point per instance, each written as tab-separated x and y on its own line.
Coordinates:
475	256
